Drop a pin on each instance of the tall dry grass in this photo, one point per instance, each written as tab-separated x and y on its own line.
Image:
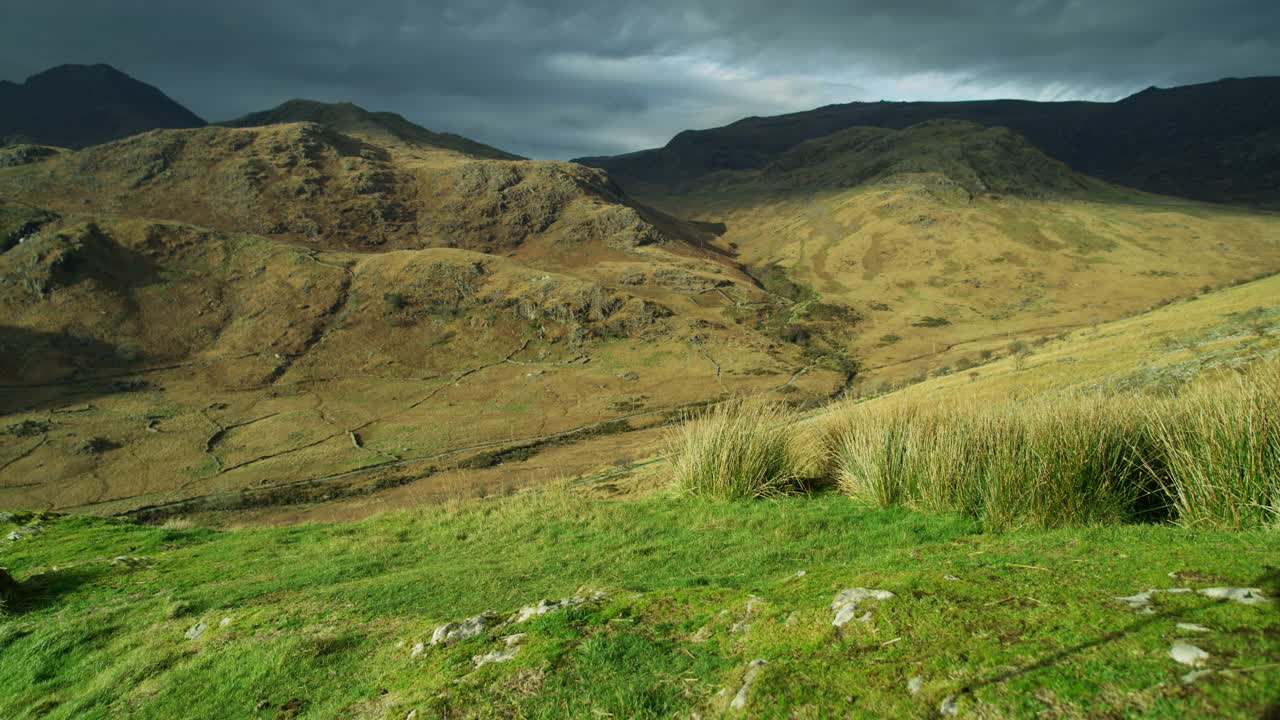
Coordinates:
1209	456
737	450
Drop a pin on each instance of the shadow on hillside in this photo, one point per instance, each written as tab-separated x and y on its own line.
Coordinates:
39	369
1268	582
49	588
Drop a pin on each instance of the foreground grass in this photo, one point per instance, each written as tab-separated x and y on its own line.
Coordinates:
1207	455
323	616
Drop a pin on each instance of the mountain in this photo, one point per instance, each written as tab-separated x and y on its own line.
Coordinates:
950	239
357	310
1216	141
355	120
80	105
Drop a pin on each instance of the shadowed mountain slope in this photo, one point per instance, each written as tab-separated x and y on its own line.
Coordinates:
1216	141
80	105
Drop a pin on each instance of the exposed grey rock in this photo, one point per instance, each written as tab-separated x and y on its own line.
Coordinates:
742	626
949	706
224	622
1195	675
950	577
453	632
740	699
1247	596
418	649
511	646
846	604
1193	627
1187	654
915	685
25	531
545	606
196	631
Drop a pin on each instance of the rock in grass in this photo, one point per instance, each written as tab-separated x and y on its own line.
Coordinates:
453	632
1246	596
915	685
846	604
24	531
545	606
949	706
1193	627
1187	654
740	699
503	654
196	631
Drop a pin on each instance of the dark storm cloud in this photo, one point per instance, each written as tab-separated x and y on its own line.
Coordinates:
558	78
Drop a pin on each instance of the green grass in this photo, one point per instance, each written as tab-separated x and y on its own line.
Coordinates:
324	616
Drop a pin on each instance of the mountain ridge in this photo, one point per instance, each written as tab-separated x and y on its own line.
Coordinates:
1212	141
349	118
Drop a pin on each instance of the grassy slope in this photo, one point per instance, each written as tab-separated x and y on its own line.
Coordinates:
319	612
896	224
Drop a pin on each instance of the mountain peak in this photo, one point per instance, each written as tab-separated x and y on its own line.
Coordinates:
351	119
79	105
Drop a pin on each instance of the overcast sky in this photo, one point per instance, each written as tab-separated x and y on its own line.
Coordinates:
564	78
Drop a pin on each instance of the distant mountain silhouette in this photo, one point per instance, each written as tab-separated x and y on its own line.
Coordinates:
355	120
1216	141
79	105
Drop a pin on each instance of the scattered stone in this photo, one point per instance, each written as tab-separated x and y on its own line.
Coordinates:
453	632
1247	596
418	649
1193	627
545	606
950	706
224	622
746	620
509	651
8	585
1195	675
128	561
950	577
801	573
1187	654
412	714
915	685
748	679
846	602
24	531
196	631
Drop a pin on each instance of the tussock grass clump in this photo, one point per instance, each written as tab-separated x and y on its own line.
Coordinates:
1074	462
737	450
1221	450
1207	456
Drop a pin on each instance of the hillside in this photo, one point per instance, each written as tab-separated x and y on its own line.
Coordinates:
245	317
570	601
949	239
80	105
1215	141
351	119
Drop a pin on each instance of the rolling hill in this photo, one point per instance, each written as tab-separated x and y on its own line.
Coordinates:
264	315
949	238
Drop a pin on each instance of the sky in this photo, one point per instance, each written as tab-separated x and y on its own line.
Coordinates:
567	78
